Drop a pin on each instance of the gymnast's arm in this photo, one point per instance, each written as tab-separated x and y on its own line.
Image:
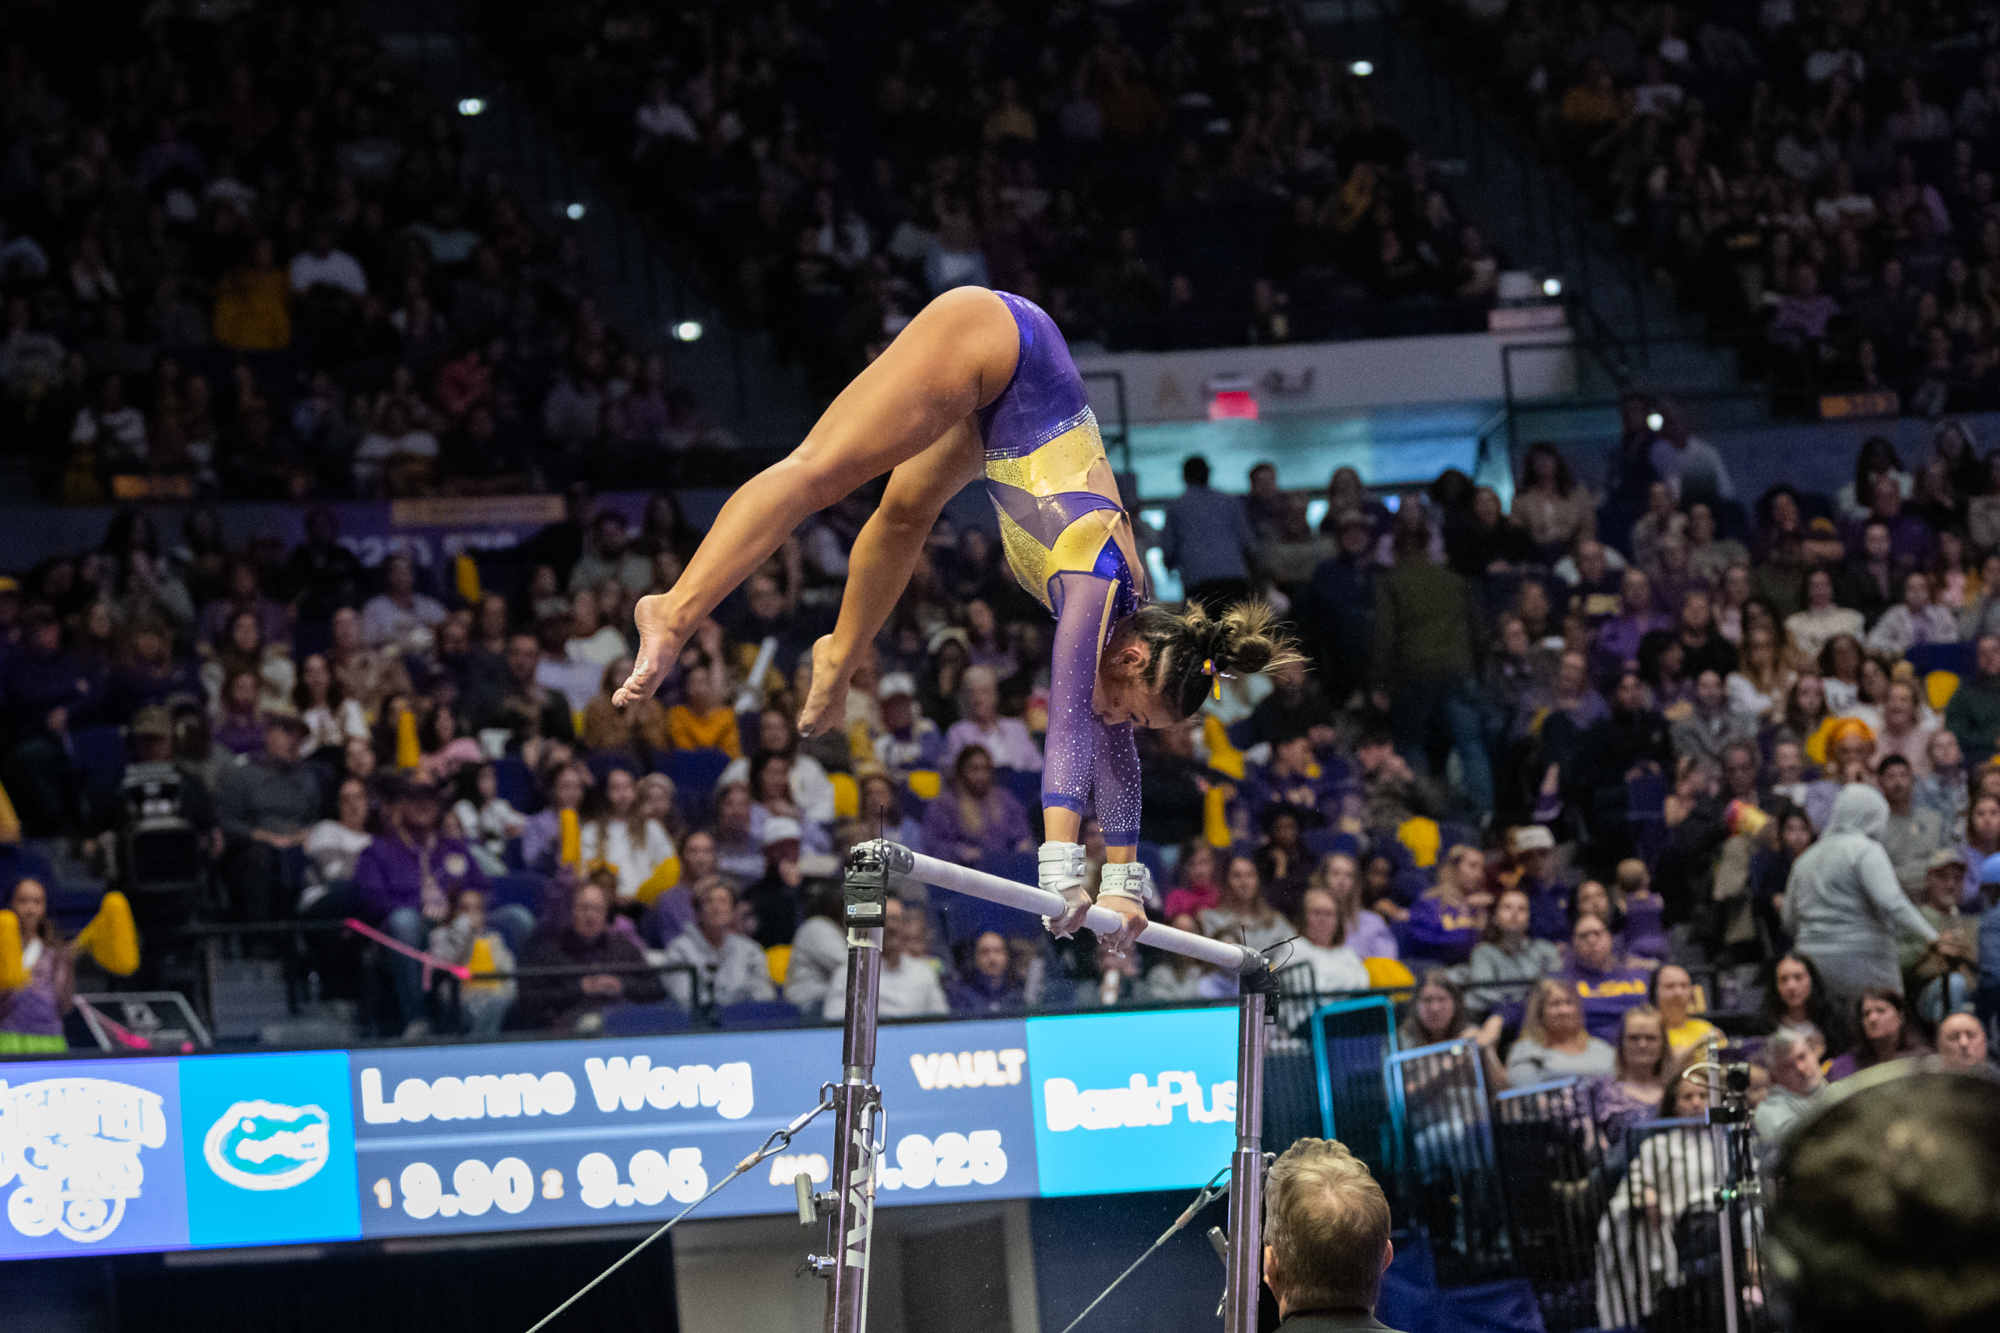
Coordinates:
1072	765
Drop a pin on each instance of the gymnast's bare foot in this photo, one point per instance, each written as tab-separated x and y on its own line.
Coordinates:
826	702
659	646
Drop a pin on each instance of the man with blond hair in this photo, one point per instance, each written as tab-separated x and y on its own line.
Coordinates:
1326	1239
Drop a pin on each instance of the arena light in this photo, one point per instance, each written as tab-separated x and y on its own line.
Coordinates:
471	106
1654	421
687	330
1552	287
574	212
1361	69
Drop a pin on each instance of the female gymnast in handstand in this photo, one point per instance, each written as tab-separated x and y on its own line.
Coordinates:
980	383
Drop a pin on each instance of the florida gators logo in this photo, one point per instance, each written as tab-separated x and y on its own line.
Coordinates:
267	1146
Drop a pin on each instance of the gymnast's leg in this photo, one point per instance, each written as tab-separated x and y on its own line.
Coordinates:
954	357
879	569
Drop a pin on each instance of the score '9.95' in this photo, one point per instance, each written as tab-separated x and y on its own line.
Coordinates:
510	1186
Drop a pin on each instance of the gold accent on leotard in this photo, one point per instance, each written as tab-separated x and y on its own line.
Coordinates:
1072	462
1063	464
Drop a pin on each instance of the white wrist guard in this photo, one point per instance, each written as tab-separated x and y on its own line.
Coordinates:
1061	865
1126	879
1061	868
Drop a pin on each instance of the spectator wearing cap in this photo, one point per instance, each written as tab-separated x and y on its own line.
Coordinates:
973	822
1533	849
1005	739
729	967
909	740
774	897
1207	540
577	1003
609	557
1913	832
1973	715
406	881
267	804
1342	604
1943	979
46	693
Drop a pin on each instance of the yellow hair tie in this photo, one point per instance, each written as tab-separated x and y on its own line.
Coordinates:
1208	669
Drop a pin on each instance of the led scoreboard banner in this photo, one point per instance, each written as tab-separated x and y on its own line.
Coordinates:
120	1155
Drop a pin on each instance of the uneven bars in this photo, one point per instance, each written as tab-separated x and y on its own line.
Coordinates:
902	861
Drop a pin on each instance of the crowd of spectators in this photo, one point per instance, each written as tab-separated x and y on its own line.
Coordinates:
239	256
1824	173
1611	759
1187	175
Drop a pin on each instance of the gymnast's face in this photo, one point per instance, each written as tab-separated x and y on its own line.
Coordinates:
1124	693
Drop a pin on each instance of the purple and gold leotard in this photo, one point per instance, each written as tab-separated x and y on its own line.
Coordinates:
1070	544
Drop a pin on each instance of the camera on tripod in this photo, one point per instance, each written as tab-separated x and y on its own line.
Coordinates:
1732	1105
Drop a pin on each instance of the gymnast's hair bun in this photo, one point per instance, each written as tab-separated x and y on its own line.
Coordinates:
1248	640
1192	649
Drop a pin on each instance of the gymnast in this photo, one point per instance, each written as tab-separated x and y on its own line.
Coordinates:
980	383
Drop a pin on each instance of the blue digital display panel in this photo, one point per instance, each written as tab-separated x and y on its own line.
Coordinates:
1143	1101
268	1140
102	1156
90	1158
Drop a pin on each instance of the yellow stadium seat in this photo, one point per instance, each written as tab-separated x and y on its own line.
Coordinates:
925	784
778	958
1940	686
846	796
1385	972
1421	836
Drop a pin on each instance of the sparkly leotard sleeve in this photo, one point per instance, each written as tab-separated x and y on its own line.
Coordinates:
1070	544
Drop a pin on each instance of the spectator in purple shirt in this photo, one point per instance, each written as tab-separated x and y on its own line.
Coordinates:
1618	638
407	880
1802	317
242	592
973	822
988	986
1910	538
1606	983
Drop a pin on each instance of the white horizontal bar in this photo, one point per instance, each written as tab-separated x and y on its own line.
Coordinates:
1046	902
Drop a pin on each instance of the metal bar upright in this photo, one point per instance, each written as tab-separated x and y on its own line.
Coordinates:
1246	1177
857	1103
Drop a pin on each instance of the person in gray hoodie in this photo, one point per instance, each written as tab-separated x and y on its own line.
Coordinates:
1843	905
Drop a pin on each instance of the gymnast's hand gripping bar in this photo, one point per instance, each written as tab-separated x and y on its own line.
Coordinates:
904	863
